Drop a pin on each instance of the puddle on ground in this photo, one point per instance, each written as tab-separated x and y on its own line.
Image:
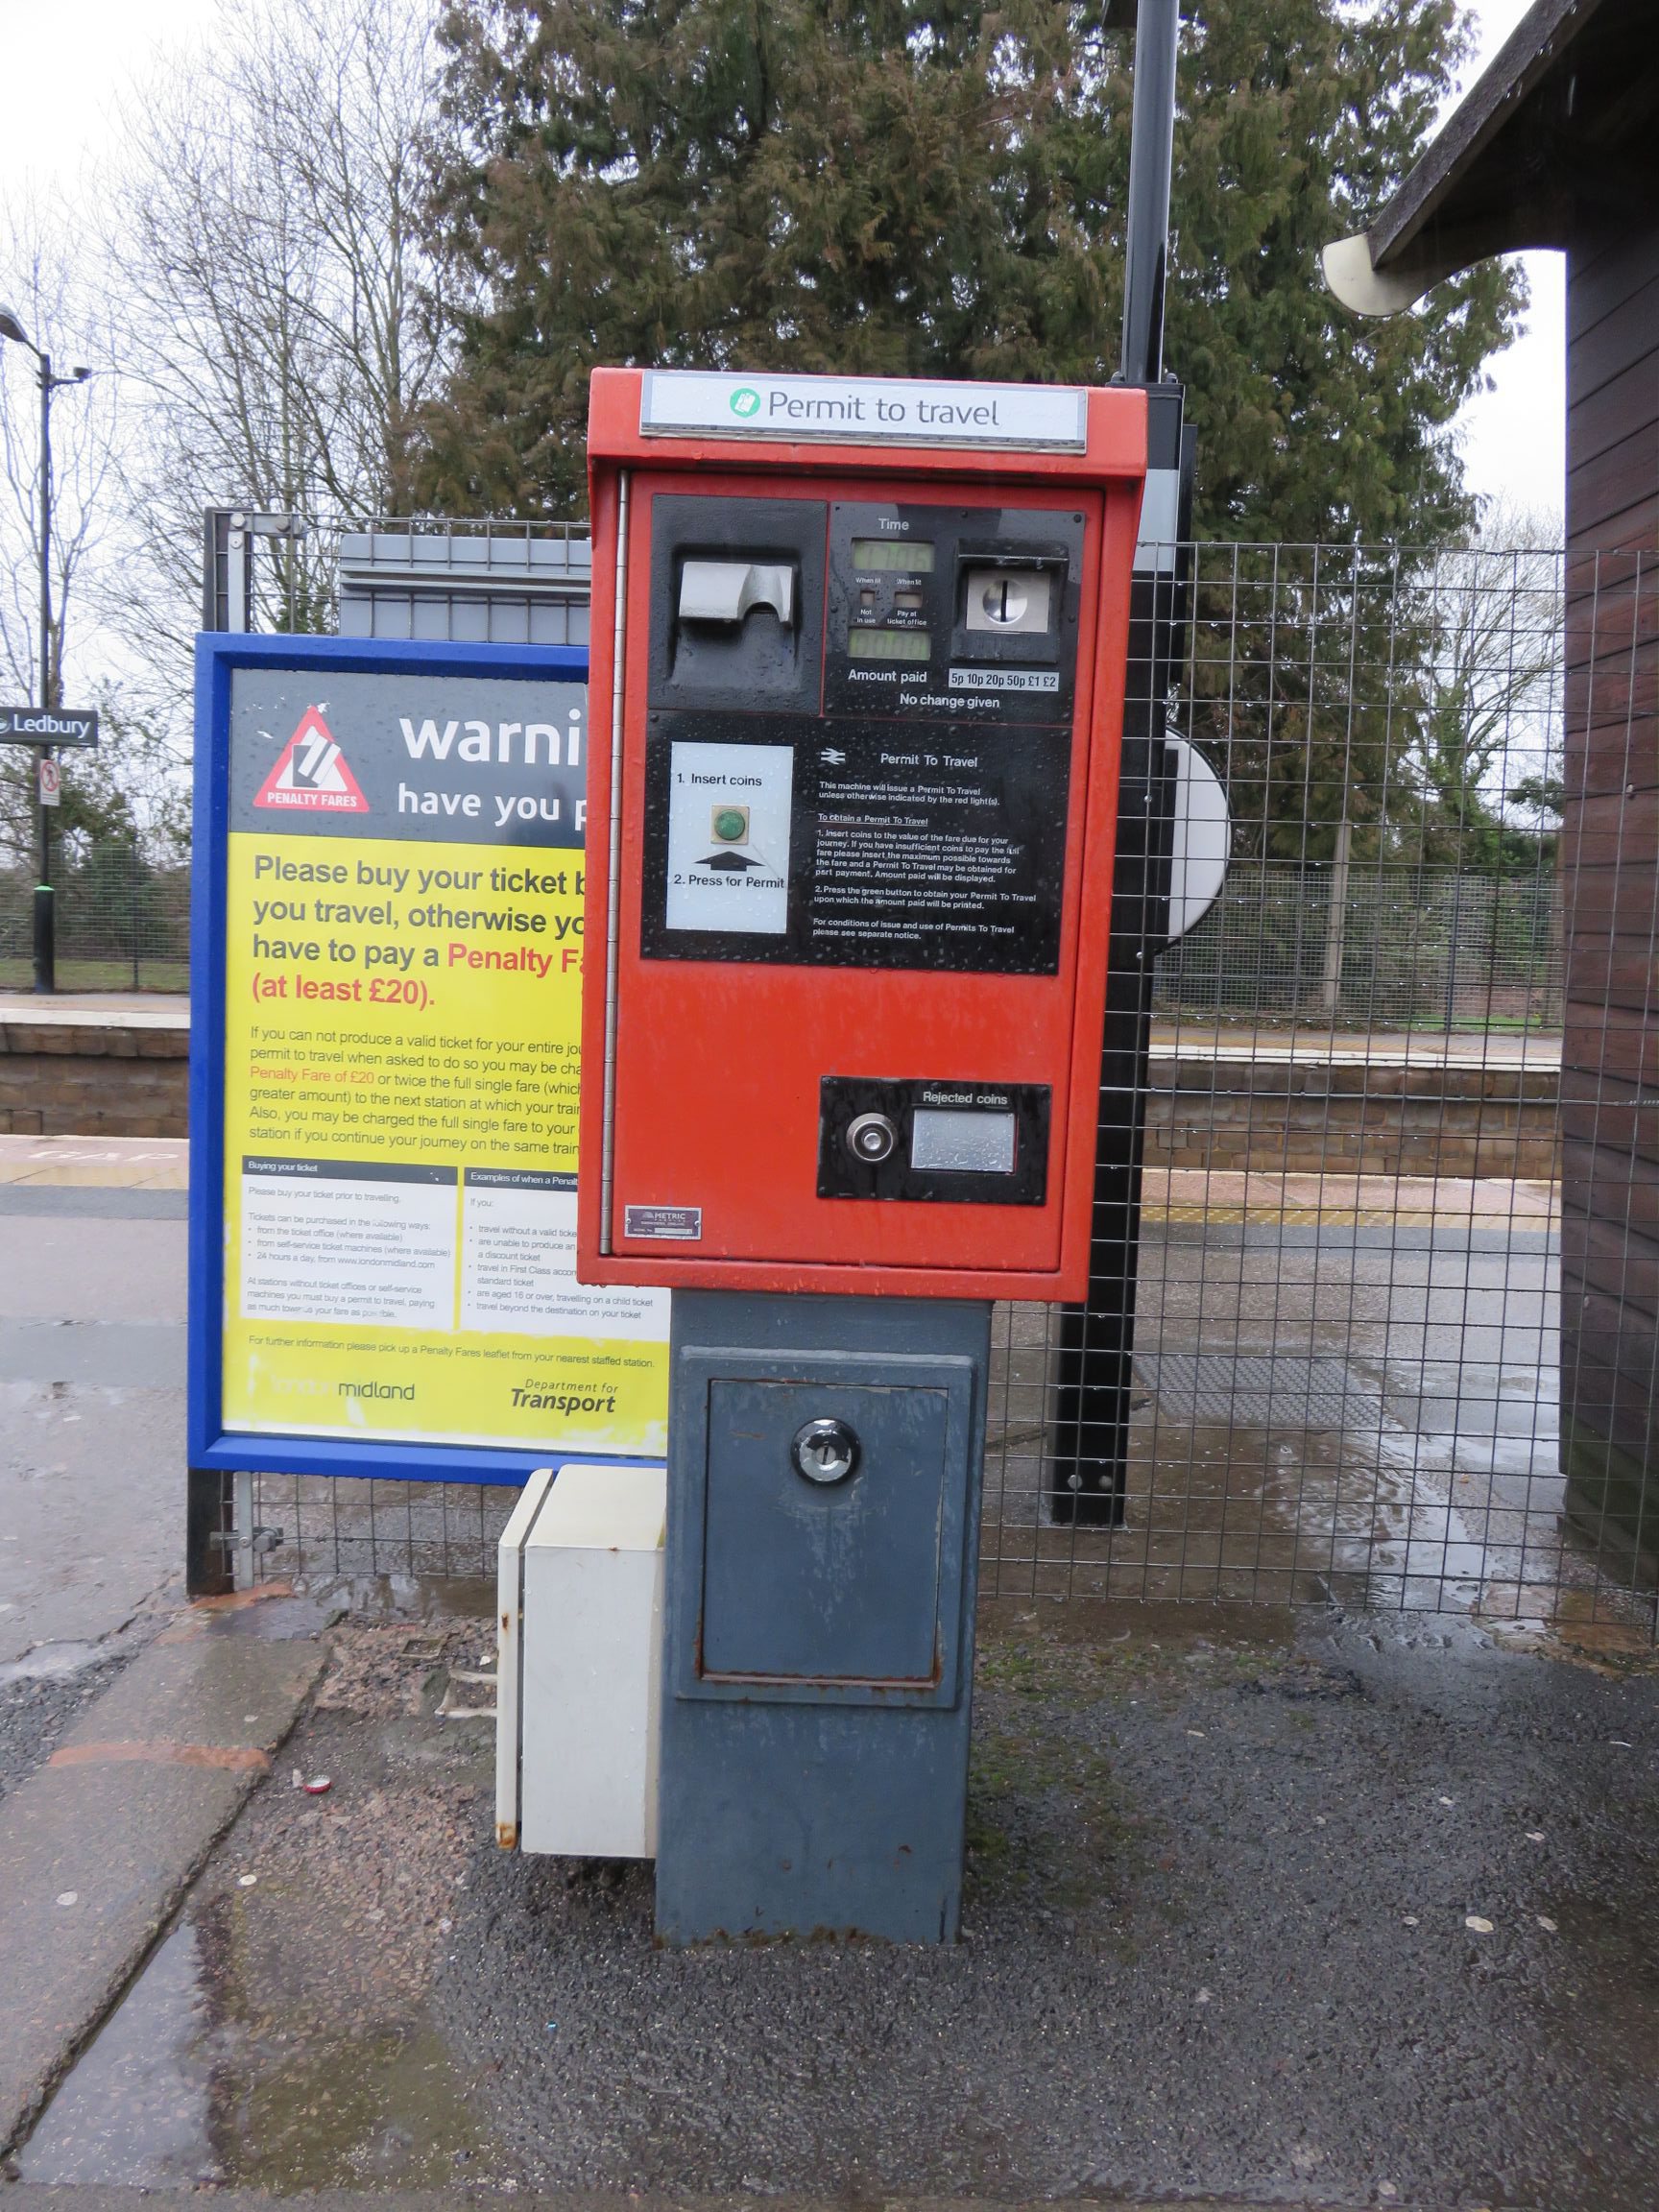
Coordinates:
279	2037
1373	1430
188	2085
51	1663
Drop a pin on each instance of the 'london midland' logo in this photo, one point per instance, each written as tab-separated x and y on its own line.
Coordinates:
746	403
313	773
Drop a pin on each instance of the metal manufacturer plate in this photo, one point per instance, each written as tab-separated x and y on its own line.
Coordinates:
663	1224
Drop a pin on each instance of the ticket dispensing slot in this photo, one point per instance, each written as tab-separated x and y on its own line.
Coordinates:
729	590
737	603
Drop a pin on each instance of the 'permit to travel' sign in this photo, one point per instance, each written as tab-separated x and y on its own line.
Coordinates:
864	410
39	726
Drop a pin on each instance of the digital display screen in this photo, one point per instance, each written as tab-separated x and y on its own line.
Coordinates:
890	645
970	1144
911	556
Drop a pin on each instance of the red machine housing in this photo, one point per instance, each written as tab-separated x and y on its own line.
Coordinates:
850	831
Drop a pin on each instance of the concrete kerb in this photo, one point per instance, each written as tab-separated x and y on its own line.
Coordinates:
104	1841
27	2196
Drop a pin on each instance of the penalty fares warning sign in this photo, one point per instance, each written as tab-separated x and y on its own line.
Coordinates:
312	772
399	1041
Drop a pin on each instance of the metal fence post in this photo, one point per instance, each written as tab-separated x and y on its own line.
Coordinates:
209	1534
1337	920
1452	953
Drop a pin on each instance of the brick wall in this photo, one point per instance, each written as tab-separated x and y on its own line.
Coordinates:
1307	1117
88	1075
92	1075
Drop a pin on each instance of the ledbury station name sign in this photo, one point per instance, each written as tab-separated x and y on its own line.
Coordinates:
387	1063
48	725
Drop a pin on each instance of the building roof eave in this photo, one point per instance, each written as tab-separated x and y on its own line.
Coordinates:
1519	66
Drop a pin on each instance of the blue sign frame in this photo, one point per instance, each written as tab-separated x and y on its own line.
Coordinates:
210	1445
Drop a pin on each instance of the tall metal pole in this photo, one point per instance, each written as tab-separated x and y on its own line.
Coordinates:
45	933
1151	155
1087	1476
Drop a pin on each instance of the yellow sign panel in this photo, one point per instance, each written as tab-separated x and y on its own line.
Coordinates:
402	1022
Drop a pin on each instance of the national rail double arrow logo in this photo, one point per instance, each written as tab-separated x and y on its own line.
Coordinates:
313	773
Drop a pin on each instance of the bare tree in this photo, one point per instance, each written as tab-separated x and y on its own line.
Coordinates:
279	312
62	314
1488	751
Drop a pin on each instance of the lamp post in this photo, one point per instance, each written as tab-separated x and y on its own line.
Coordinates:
45	933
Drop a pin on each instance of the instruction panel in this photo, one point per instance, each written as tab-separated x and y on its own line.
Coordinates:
403	981
858	844
729	837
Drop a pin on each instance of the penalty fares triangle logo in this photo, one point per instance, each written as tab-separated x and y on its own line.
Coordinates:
313	773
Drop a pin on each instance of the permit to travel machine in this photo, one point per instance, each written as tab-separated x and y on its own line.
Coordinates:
858	667
862	645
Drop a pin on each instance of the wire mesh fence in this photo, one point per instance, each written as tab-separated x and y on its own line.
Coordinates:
1390	1340
1362	1370
121	924
372	1529
1388	948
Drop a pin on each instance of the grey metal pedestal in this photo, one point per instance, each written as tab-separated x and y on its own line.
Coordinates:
824	1475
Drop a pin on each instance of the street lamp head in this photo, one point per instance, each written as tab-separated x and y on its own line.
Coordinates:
10	327
79	376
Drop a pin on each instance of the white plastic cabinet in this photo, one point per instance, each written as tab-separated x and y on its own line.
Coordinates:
579	1620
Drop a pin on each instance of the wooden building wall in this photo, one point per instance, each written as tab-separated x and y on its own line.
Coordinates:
1610	900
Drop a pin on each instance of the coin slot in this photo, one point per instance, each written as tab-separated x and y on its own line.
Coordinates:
1008	602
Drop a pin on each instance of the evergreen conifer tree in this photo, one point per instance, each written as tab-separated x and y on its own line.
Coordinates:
937	190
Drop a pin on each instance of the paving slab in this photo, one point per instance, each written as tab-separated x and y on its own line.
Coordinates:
91	1416
110	1009
100	1843
96	1162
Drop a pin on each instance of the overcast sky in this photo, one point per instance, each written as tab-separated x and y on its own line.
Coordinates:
1515	436
67	67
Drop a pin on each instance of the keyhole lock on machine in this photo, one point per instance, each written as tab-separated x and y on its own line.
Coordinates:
824	1450
872	1137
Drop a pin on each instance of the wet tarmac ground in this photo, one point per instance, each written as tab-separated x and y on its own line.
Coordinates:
39	1695
91	1411
1367	1915
1363	1912
1326	1413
